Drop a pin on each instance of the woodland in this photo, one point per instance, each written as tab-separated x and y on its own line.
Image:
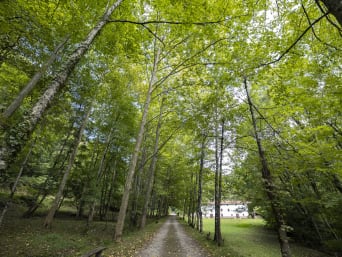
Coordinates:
125	109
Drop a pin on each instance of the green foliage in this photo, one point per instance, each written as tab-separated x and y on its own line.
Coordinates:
200	72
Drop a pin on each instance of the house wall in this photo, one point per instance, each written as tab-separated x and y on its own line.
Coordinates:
233	210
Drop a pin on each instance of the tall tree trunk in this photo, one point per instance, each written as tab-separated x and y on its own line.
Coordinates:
8	151
200	179
58	197
130	174
194	202
218	167
269	185
110	189
335	8
189	208
80	205
184	208
32	83
133	212
152	167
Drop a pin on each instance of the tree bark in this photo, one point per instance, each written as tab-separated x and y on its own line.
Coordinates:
335	8
32	83
113	174
57	200
200	184
9	151
130	174
194	201
190	201
152	167
218	185
200	179
269	184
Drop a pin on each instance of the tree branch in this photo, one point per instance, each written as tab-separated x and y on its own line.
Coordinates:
313	30
161	146
201	23
328	19
154	34
293	44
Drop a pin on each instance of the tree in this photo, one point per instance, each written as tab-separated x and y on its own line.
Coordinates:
200	184
9	151
32	83
152	167
57	199
334	7
269	184
128	184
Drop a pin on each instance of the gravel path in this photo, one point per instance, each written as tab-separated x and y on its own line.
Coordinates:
171	241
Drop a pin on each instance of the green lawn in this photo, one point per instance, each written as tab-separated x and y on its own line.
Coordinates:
248	238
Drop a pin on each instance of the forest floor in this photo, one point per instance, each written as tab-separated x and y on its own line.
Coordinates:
68	237
71	237
170	241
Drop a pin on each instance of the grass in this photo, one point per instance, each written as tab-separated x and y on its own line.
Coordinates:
71	237
247	238
68	237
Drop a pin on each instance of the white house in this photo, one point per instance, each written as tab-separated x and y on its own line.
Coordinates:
229	209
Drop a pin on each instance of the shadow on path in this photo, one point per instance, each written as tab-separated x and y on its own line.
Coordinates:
172	241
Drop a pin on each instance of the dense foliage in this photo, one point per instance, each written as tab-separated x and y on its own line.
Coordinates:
174	75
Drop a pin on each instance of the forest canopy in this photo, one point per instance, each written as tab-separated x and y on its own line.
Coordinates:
132	107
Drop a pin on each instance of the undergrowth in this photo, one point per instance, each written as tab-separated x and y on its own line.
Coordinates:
68	237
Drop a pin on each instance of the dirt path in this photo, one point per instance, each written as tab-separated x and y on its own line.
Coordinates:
172	241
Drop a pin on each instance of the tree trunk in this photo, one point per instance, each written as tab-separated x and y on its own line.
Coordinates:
269	185
152	167
80	205
184	208
110	189
189	206
57	200
335	8
200	179
130	174
22	133
99	171
133	212
218	168
194	202
32	83
43	189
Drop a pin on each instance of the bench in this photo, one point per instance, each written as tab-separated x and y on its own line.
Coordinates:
96	252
